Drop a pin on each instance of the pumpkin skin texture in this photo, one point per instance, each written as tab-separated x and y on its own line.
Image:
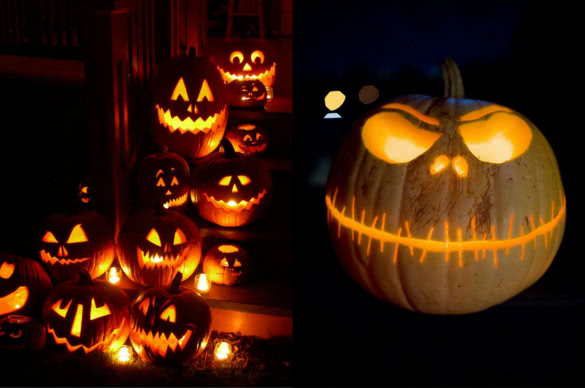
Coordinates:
247	94
73	241
170	326
85	316
163	180
227	264
19	333
248	139
190	106
156	244
445	205
24	285
232	189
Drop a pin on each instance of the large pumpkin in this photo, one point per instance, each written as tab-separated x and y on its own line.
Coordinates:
190	106
156	244
445	205
76	240
24	285
232	189
85	315
170	326
163	180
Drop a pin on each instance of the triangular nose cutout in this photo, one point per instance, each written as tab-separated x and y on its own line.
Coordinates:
247	67
168	192
62	251
234	188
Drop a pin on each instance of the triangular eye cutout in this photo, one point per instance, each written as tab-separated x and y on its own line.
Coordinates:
49	238
143	306
179	237
224	262
180	90
77	235
175	181
237	263
160	182
225	181
244	180
205	92
153	237
98	312
170	314
62	312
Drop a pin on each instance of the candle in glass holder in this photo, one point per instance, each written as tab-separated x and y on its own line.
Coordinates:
202	284
114	275
223	350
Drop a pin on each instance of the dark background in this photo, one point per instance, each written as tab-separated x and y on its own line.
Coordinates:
523	55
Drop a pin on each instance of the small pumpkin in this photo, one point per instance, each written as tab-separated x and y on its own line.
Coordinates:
85	315
248	139
163	179
232	189
190	106
445	205
246	94
227	264
76	240
154	245
19	333
170	326
24	285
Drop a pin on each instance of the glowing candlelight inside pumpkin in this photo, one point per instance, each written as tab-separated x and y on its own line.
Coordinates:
232	203
202	284
114	275
124	354
223	350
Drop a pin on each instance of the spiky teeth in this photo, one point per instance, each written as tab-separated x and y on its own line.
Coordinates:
267	77
176	202
47	258
174	123
234	206
159	342
86	349
150	260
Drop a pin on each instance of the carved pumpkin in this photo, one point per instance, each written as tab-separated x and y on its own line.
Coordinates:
247	59
246	94
170	326
85	315
248	139
22	334
156	244
24	285
190	106
85	193
163	180
74	241
227	264
232	189
445	205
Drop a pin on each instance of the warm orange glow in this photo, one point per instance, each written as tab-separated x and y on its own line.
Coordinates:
247	67
158	342
6	270
225	181
114	275
228	248
413	112
14	301
124	354
170	314
479	113
160	182
174	181
267	77
143	306
176	202
232	205
98	312
86	349
174	123
237	54
202	284
77	321
439	164
61	311
498	139
49	238
180	237
46	257
223	350
224	262
153	237
244	180
257	54
334	99
77	235
246	127
205	92
460	166
154	260
180	90
237	263
389	136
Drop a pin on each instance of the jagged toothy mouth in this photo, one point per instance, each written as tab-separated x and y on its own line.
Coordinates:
48	258
261	97
174	123
265	77
176	202
86	349
234	206
374	233
160	342
151	260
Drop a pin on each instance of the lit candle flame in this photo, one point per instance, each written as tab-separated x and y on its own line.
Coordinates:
114	275
223	350
202	283
232	203
124	354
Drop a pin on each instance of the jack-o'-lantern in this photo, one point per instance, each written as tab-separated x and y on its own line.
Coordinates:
19	333
227	264
248	139
156	244
84	194
246	94
170	326
72	241
445	205
85	315
163	180
232	189
24	285
247	59
190	106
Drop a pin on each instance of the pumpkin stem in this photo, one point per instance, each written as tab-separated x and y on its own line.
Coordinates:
174	287
84	278
452	81
228	149
192	52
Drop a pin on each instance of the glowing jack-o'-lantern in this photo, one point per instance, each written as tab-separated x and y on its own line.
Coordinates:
156	244
22	334
248	139
24	285
247	60
232	189
74	241
445	205
246	94
163	180
190	106
170	326
85	315
227	264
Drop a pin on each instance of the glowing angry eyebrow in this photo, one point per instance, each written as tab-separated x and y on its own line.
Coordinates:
413	112
478	114
158	173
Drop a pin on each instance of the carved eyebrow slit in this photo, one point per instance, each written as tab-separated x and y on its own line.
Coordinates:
413	112
482	112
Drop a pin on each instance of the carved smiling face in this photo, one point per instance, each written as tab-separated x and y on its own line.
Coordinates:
248	139
163	180
72	241
155	245
227	264
190	109
247	94
445	205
